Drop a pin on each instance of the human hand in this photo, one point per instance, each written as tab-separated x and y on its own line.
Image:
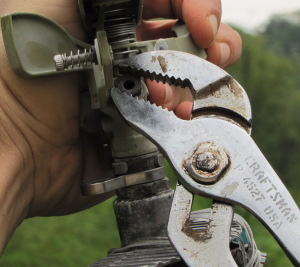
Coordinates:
222	44
43	157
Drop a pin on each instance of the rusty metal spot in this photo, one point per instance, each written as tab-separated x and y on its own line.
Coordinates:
198	235
162	63
153	59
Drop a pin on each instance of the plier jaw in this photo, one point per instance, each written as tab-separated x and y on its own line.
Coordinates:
207	247
213	89
221	127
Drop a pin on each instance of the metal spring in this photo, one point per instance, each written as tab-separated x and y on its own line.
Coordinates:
120	29
121	34
81	58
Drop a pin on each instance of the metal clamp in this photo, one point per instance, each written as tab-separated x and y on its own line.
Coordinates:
97	187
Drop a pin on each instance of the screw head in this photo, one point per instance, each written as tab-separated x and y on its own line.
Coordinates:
59	62
206	162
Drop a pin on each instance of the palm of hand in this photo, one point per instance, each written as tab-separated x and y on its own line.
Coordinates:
41	119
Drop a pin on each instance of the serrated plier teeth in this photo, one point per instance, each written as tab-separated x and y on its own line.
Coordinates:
211	86
173	67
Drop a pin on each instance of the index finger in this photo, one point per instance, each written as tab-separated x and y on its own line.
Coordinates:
202	17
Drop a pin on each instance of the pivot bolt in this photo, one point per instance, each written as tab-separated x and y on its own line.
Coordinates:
207	163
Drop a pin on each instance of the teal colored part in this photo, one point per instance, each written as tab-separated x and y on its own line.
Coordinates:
244	237
31	41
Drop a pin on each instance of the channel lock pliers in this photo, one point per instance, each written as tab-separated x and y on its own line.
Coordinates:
212	154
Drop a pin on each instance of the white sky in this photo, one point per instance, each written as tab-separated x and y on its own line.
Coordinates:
253	13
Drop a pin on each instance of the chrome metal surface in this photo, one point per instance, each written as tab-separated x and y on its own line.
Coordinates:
206	162
120	26
223	113
99	186
200	167
242	245
249	181
199	248
212	87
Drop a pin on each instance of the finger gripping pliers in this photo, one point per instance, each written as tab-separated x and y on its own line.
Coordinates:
213	156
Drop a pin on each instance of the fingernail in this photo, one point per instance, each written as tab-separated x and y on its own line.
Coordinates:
214	24
225	53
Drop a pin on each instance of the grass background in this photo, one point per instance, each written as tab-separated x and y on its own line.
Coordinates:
74	240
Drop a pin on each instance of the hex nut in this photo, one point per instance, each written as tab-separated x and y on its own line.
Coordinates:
207	163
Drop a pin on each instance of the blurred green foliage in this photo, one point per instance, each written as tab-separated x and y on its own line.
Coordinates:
283	34
75	240
271	78
273	86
